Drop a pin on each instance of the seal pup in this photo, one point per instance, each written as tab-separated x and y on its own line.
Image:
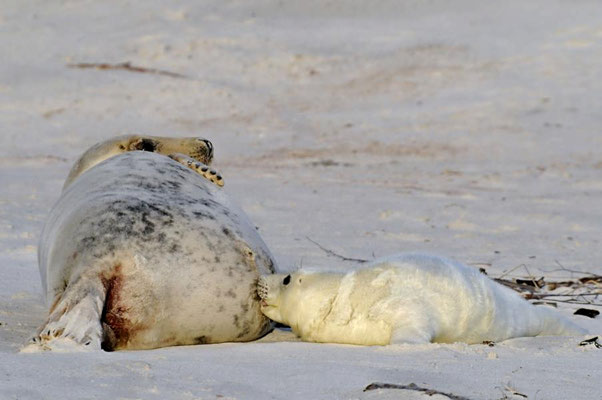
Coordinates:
407	298
141	251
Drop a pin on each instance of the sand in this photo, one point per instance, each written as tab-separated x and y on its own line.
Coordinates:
468	129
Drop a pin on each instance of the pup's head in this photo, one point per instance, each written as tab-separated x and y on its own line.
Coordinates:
287	298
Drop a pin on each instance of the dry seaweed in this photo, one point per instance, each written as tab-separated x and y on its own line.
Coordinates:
126	66
588	312
584	290
591	342
414	387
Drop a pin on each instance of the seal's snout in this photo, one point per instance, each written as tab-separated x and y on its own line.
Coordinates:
209	147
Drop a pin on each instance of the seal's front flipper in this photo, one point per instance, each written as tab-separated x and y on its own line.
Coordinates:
199	167
410	335
412	326
74	323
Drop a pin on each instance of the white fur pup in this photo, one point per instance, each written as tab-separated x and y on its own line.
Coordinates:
407	298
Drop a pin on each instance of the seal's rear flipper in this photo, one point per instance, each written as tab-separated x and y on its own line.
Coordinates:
74	322
555	324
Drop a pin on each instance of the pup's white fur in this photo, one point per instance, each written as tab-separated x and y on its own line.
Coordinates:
407	298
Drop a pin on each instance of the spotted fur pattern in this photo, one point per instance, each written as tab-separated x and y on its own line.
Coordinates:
143	252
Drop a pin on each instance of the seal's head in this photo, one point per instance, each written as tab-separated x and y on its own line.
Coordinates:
270	288
198	148
299	296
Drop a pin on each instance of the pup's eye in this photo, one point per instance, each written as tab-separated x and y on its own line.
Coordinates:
286	280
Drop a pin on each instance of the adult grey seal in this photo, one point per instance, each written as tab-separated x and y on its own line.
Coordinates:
408	298
142	251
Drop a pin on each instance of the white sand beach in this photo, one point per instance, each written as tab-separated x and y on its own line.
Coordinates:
468	129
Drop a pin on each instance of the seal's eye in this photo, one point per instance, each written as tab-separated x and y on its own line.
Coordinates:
286	280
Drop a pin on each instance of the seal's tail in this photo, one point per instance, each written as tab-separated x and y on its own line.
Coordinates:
554	324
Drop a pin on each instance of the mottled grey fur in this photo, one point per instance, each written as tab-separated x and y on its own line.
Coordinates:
142	217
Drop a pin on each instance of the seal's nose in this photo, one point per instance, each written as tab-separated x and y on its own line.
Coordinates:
209	147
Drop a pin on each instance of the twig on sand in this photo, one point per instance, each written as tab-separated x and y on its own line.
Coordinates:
412	386
591	342
542	295
583	290
532	293
511	270
126	66
513	392
519	287
563	268
332	253
572	301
